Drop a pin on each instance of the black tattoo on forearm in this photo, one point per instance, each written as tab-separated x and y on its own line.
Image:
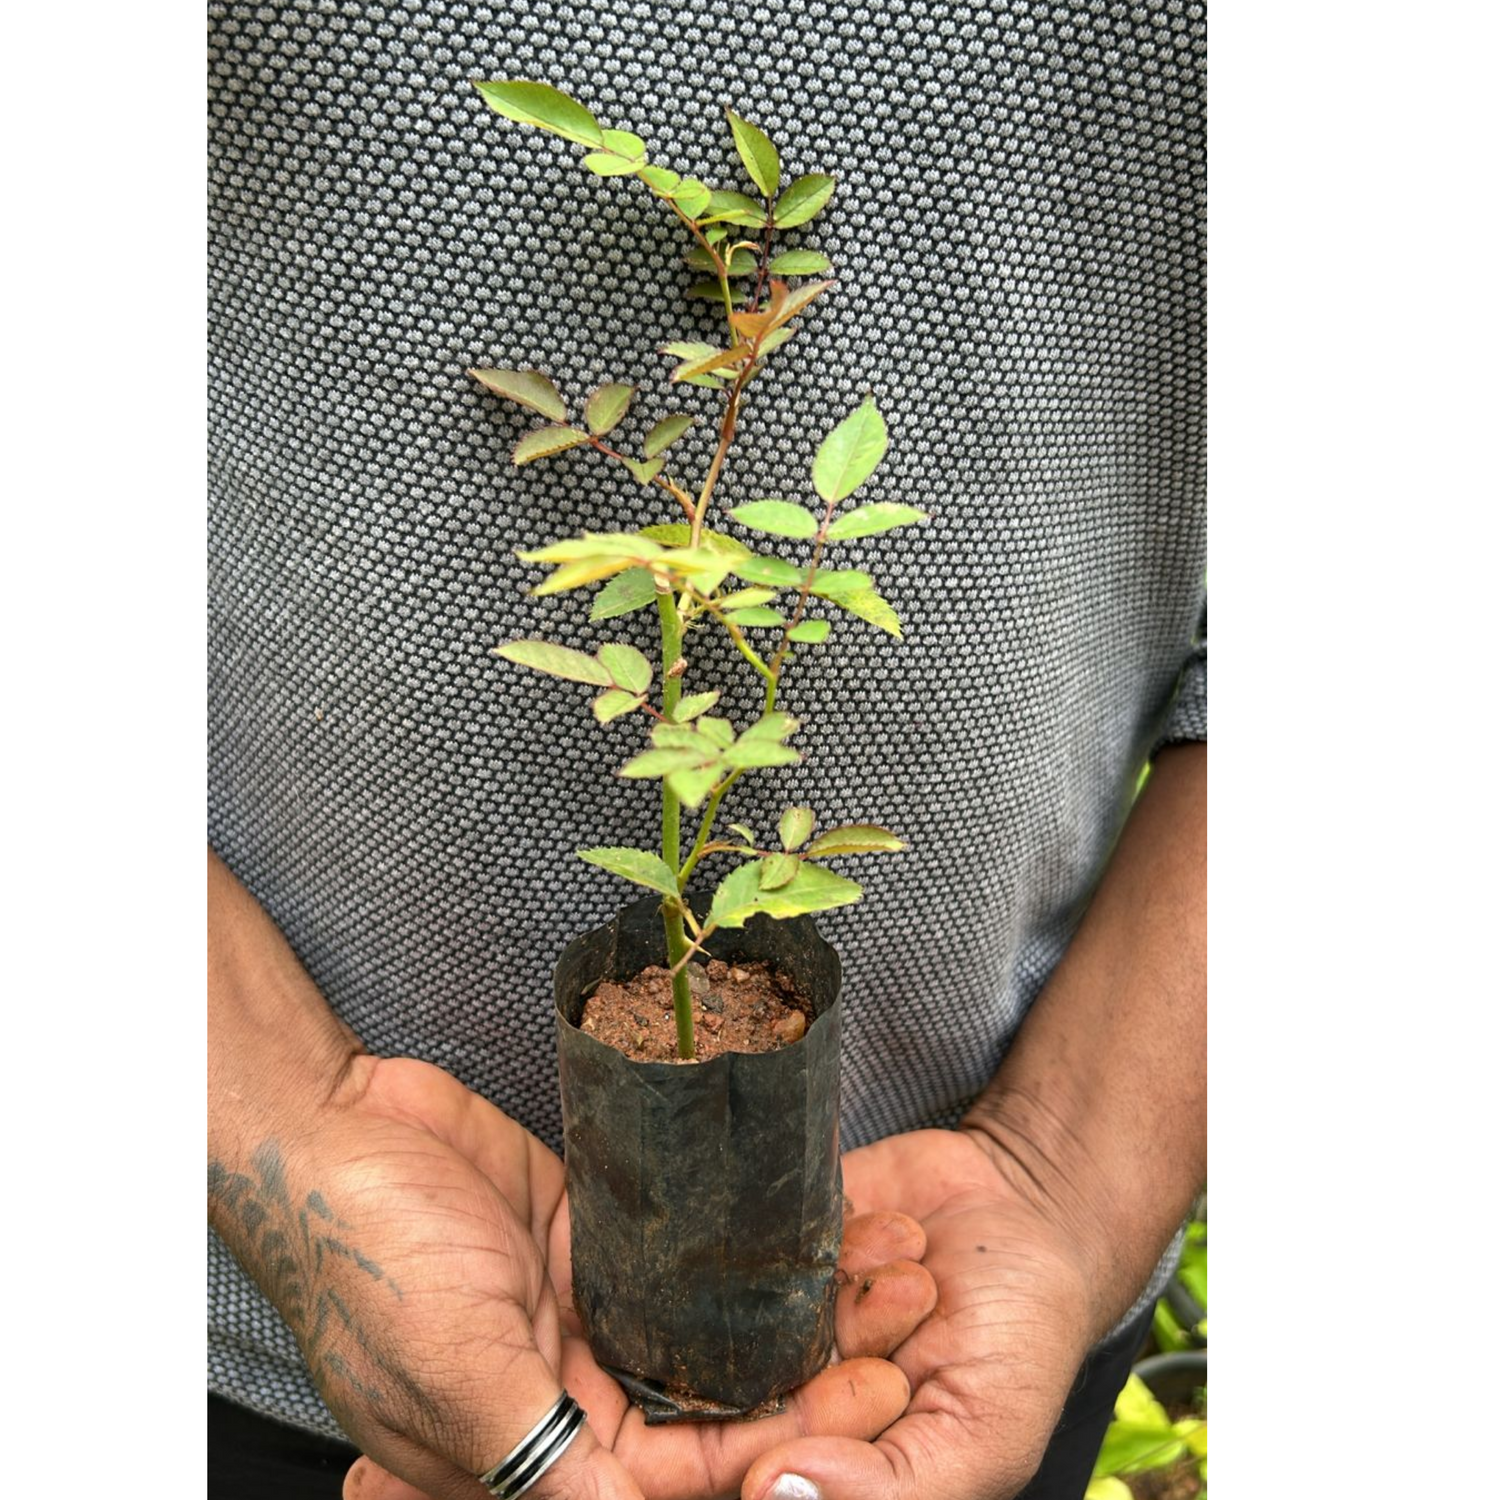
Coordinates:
290	1250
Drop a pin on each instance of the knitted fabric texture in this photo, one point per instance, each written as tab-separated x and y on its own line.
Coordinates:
1018	236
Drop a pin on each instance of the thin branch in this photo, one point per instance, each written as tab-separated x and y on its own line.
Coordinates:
804	591
660	481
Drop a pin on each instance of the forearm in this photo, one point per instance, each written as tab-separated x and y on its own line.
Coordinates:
1098	1110
276	1053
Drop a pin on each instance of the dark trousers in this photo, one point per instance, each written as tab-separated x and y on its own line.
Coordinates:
251	1456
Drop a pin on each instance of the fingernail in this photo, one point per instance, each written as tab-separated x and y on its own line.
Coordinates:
793	1487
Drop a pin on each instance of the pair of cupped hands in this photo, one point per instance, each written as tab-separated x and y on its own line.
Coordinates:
445	1330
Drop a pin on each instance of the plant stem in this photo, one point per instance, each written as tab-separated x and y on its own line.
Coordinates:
659	481
705	828
671	834
819	542
726	436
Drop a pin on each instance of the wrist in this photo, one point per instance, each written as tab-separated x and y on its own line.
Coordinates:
278	1058
1043	1163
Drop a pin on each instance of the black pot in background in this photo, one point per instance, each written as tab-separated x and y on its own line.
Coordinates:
1175	1378
706	1199
1187	1310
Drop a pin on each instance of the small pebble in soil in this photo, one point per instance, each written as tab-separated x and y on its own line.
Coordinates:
791	1028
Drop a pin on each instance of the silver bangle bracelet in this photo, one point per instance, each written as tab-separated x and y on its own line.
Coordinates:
536	1452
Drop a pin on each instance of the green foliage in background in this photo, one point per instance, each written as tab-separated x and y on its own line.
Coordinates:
1143	1437
1173	1322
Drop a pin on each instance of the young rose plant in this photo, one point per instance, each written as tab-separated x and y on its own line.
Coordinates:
698	578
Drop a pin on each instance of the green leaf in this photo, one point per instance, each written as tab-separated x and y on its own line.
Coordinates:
777	869
736	208
746	755
1167	1331
694	704
682	737
771	570
690	787
758	154
1135	1404
737	897
854	838
795	827
542	105
744	831
679	534
1194	1432
575	575
776	725
546	441
1107	1487
604	410
719	732
809	632
528	388
800	263
661	180
716	233
626	665
778	517
691	196
665	433
691	351
867	605
756	616
834	583
558	661
706	362
632	545
650	870
775	339
869	520
644	472
1193	1273
607	164
741	263
632	589
702	567
658	762
591	558
625	143
711	291
741	896
613	702
848	455
802	200
799	299
1131	1449
747	598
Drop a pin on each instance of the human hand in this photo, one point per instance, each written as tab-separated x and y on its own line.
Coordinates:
406	1236
992	1365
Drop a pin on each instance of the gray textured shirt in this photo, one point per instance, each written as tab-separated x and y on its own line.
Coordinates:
1018	237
